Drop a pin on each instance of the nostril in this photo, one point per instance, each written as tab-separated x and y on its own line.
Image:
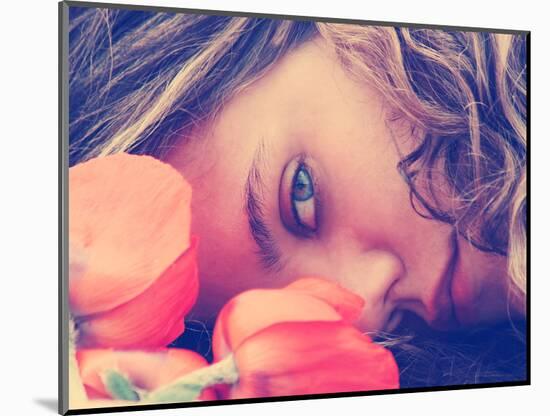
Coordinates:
393	321
387	296
373	275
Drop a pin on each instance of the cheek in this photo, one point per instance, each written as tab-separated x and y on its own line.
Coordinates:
375	204
227	258
375	210
221	226
379	202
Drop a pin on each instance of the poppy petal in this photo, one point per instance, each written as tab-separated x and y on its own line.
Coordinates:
253	310
153	318
299	358
131	216
346	303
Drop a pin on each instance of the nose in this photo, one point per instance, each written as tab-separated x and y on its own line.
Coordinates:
372	275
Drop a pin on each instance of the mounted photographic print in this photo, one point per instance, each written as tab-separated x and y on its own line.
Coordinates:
265	208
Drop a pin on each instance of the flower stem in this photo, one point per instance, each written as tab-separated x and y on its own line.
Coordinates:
77	392
189	386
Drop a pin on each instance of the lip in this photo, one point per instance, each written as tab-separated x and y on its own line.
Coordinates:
446	318
467	293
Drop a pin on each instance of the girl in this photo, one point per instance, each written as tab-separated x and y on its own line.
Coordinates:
391	160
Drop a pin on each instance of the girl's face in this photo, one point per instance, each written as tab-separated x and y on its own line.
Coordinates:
297	176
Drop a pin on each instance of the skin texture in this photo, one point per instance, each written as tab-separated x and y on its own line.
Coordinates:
368	238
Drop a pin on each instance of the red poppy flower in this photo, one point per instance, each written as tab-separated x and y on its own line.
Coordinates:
256	309
147	370
133	271
292	342
297	358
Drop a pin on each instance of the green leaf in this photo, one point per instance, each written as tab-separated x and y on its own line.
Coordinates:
176	393
119	387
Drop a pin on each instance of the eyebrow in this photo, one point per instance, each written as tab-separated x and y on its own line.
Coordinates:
268	251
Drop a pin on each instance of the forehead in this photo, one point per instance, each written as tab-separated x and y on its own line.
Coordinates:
303	94
303	83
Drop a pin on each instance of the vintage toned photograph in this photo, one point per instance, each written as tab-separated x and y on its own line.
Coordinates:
284	207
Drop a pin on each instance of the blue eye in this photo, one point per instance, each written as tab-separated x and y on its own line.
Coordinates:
302	186
302	198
